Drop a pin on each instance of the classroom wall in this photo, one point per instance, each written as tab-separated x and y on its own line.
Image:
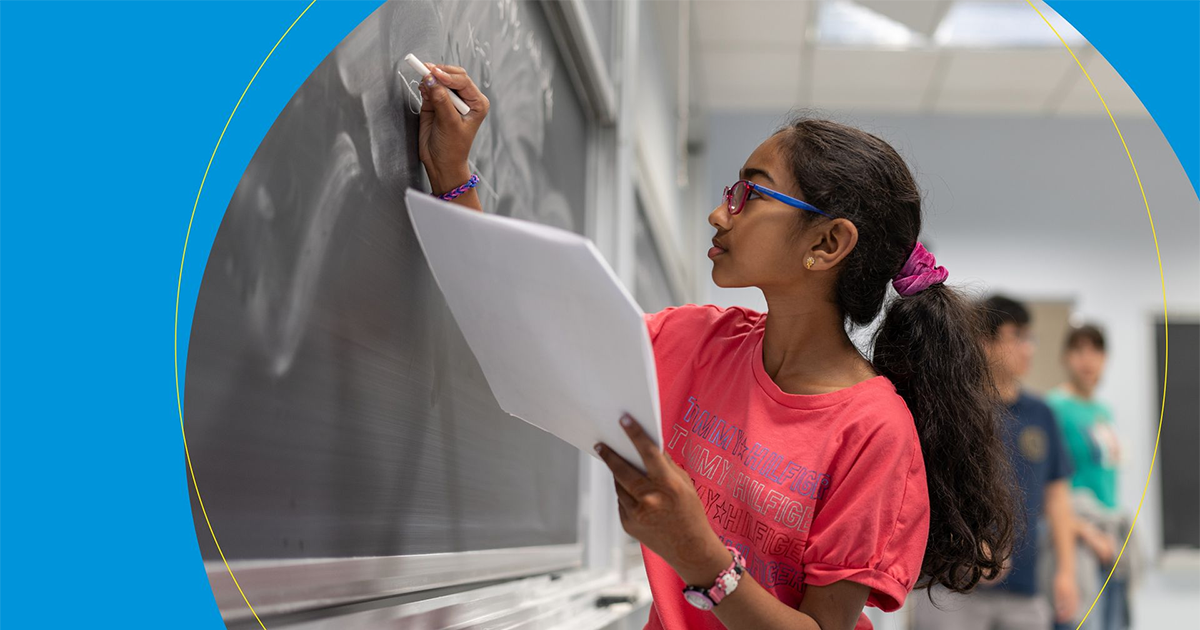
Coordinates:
639	209
1041	209
657	101
658	136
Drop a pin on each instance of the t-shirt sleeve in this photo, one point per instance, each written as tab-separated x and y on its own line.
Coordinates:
667	328
655	321
874	523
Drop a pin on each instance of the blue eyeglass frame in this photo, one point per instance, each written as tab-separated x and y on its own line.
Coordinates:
774	194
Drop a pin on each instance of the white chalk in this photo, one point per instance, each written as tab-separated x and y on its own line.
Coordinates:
462	107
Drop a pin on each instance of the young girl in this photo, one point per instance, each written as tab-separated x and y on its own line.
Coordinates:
797	480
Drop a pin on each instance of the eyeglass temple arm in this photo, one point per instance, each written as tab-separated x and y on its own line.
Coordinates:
791	201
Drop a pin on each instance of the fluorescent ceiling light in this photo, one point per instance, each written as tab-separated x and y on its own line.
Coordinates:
967	24
844	23
1002	25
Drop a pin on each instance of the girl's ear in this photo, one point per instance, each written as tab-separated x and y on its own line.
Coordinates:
834	241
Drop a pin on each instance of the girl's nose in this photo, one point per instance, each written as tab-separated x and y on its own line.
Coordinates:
719	217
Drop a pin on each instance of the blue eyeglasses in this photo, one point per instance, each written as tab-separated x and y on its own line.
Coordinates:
737	194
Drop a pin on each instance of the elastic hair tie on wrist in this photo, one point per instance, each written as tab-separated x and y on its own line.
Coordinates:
920	272
461	189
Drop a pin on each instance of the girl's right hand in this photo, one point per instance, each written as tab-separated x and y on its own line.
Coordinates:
445	137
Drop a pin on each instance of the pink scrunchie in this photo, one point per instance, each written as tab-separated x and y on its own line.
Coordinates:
919	273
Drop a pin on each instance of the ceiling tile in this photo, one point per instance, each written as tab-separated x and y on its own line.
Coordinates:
996	70
750	80
750	24
841	68
749	52
871	80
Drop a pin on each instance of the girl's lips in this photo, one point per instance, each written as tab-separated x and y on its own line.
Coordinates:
715	251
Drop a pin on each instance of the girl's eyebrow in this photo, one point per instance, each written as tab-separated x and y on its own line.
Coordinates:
747	173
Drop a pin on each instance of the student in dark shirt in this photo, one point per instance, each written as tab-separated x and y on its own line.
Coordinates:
1043	470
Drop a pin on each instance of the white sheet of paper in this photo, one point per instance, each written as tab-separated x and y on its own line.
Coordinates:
562	343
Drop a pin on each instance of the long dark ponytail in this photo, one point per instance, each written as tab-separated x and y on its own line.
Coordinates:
928	345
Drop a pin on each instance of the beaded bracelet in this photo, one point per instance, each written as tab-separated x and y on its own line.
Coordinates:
461	189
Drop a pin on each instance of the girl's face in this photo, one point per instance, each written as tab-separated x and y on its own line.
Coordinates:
759	246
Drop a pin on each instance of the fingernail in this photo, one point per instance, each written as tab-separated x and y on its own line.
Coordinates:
598	448
440	72
430	80
626	421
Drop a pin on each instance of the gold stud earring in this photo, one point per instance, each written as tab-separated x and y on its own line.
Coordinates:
808	263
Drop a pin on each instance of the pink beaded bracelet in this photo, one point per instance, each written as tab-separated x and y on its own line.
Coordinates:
461	189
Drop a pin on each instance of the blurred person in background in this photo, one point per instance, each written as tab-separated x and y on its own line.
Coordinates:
1013	601
1095	454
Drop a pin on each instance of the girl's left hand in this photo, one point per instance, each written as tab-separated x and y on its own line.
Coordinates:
661	509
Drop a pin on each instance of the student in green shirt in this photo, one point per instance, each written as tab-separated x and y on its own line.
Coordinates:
1093	447
1086	423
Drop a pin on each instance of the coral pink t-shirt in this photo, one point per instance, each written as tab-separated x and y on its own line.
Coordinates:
811	489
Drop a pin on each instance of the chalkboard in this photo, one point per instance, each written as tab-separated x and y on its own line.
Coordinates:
333	409
1180	477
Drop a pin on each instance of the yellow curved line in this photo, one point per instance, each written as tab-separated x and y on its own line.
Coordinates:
1162	280
178	289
